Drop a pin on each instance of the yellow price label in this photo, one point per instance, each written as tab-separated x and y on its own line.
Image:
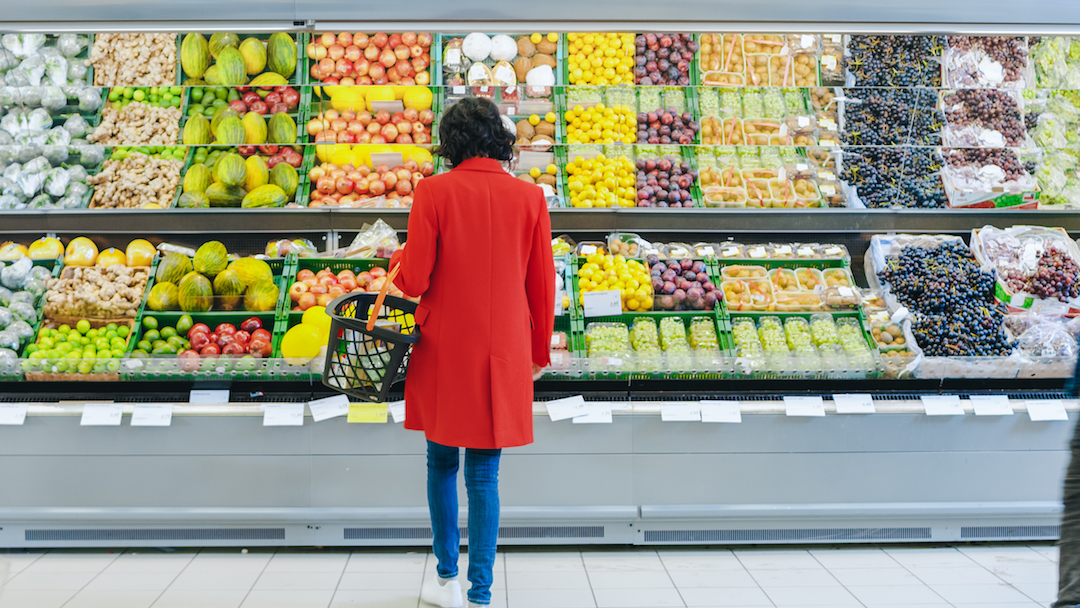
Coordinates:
367	412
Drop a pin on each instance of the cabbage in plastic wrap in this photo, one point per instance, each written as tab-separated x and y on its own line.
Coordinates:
58	136
41	201
70	201
34	69
56	154
53	99
22	330
91	155
9	340
77	173
31	183
8	187
6	318
14	276
8	60
71	44
23	45
56	181
89	100
76	71
24	153
17	77
24	310
31	96
56	67
77	126
5	293
77	189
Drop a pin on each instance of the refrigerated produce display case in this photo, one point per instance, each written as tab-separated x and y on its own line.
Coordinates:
816	283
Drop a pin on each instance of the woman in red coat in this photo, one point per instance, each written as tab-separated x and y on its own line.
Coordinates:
479	256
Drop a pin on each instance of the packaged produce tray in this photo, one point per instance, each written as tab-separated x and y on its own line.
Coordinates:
680	360
728	59
171	367
818	356
67	370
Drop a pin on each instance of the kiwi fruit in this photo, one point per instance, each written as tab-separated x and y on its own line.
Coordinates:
544	59
526	48
547	47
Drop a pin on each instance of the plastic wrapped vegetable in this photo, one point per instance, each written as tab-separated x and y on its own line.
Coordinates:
31	183
56	67
70	201
57	155
14	276
10	96
9	202
53	99
89	100
34	69
1047	339
23	310
38	120
78	173
76	189
77	126
31	96
71	44
6	318
76	71
56	181
24	153
91	155
58	136
23	45
17	77
41	201
5	293
8	60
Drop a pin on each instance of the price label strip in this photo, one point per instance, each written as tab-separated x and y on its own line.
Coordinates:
854	404
330	407
562	409
680	412
942	405
13	414
283	414
365	413
102	414
397	411
1043	410
721	411
991	405
804	406
595	414
152	414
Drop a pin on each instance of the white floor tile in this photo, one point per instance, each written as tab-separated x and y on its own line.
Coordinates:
712	578
631	580
974	594
548	598
113	598
557	579
626	561
1046	572
874	576
1049	552
544	562
319	562
377	598
795	577
854	558
776	560
811	596
1012	555
170	563
201	598
35	598
214	580
386	562
737	596
297	580
288	599
381	580
1009	605
1040	592
72	562
29	579
18	560
944	557
887	595
700	560
637	598
135	581
955	576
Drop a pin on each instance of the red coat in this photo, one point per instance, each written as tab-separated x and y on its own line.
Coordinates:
479	256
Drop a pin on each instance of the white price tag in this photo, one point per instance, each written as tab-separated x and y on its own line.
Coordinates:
805	252
283	414
942	405
1046	409
152	414
12	414
991	405
397	411
209	396
588	250
329	407
804	406
720	411
102	414
602	303
782	250
854	404
730	252
680	412
807	41
845	292
758	252
595	414
705	251
570	407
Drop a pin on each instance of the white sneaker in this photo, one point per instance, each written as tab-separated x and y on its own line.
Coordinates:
444	595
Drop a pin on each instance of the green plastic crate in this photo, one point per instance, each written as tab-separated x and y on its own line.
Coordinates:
301	55
279	266
701	365
12	370
357	265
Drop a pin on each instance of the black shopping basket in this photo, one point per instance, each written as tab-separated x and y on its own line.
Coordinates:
366	356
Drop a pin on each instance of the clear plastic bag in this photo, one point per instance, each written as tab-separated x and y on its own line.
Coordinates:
376	240
301	247
1047	339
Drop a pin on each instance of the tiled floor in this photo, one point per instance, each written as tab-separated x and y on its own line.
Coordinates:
1000	576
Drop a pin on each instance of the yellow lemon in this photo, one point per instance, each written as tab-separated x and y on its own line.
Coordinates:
534	172
552	169
553	37
534	120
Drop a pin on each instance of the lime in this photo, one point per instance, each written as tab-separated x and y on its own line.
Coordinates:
109	335
110	327
85	367
102	344
46	343
64	329
123	331
83	326
150	323
92	334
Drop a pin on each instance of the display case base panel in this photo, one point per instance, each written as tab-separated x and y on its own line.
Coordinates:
229	481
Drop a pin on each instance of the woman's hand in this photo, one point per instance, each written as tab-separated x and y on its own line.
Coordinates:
538	372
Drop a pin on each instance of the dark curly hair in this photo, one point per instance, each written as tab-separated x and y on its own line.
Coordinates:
472	128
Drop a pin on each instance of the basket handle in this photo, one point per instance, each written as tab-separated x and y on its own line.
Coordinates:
374	316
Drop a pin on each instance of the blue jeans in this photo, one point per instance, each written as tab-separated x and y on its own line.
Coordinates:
482	484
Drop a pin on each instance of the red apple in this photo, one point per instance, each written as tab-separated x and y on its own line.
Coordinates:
411	114
371	53
260	348
401	52
343	185
199	340
210	350
397	117
403	174
404	68
427	117
364	117
387	58
422	138
361	66
403	187
335	51
382	117
373	128
376	188
427	168
404	127
355	127
349	285
325	184
379	39
376	71
416	50
344	38
364	80
260	333
418	127
342	66
423	78
389	179
234	349
328	39
361	40
424	39
418	65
